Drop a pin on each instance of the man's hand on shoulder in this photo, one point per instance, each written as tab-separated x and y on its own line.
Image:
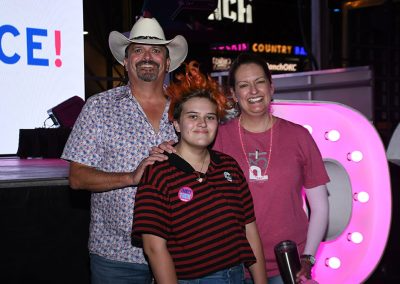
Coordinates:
150	160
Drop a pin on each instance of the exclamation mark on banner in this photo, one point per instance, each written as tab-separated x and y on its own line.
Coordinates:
57	35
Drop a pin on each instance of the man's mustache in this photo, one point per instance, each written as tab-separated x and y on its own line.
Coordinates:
147	62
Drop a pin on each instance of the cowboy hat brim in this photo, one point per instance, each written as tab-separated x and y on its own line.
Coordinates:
177	47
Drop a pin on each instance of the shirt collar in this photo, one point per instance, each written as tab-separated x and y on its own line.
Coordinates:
124	94
181	164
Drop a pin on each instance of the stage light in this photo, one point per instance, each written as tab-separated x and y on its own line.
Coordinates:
355	156
308	127
361	196
332	135
333	262
355	237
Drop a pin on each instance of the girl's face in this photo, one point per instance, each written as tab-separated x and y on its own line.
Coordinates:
252	91
198	123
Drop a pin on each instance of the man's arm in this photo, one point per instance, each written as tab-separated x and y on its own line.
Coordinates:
89	178
160	259
85	177
257	269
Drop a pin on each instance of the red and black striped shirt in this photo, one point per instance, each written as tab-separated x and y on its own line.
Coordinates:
202	222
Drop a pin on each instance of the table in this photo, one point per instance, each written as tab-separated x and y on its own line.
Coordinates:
42	142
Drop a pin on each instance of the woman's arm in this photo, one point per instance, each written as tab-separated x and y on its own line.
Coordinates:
257	270
160	259
319	213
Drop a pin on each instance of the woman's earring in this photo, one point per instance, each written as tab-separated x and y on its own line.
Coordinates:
235	108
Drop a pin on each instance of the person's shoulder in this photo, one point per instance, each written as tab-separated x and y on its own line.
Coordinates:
226	162
229	122
291	126
159	164
157	169
228	125
219	156
109	95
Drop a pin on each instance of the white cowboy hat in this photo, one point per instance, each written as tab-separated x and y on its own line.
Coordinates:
148	31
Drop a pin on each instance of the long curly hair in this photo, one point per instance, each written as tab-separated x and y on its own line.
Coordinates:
194	84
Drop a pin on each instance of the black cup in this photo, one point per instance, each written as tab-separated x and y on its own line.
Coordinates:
288	260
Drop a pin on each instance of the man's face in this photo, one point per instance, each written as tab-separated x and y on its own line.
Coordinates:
147	62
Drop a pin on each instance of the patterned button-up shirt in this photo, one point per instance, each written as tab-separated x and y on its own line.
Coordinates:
113	134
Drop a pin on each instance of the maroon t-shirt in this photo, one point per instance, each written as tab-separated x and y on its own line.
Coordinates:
294	162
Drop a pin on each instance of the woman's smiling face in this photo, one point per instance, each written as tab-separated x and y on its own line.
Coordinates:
252	91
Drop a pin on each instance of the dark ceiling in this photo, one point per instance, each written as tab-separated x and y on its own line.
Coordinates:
273	21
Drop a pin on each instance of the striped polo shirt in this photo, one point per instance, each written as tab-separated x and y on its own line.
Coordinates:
202	222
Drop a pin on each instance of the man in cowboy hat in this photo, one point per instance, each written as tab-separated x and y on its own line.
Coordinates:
109	146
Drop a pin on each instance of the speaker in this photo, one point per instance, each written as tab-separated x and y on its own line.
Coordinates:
66	113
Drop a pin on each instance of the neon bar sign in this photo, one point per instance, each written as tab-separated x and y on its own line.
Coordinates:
283	67
232	47
223	64
278	49
263	48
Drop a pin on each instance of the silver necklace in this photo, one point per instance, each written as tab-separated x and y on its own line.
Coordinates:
264	176
198	173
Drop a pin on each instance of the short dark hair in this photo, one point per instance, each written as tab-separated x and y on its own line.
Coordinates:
247	58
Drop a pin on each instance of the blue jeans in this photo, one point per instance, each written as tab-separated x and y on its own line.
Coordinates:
106	271
233	275
271	280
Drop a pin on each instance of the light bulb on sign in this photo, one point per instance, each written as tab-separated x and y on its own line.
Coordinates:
355	156
361	196
355	237
333	262
332	135
308	127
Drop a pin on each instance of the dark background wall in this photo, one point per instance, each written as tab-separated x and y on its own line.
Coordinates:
46	228
44	234
373	38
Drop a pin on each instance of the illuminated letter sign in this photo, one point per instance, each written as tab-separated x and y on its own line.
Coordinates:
243	13
354	153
